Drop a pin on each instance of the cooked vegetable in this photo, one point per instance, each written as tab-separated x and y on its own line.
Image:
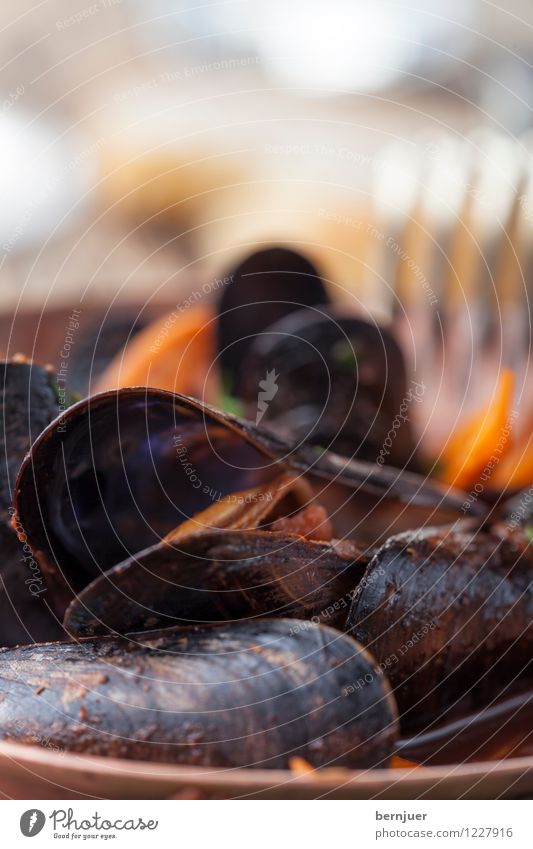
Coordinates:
482	441
515	471
99	339
174	352
243	695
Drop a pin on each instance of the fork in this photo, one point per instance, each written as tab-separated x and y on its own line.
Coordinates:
461	270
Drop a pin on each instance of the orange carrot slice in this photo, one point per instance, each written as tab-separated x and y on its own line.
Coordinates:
401	763
175	352
300	766
516	469
479	445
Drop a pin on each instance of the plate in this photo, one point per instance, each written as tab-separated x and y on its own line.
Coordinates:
36	772
33	772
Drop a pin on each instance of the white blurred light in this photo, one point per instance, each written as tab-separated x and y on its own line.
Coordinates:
41	181
358	44
327	44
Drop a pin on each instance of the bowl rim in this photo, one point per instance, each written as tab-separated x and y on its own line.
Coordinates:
34	755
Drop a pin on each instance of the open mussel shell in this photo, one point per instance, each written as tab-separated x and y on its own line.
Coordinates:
221	576
261	506
340	382
119	472
241	695
30	399
370	501
264	287
449	616
122	469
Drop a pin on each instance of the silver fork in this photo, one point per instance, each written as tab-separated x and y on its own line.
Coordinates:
462	270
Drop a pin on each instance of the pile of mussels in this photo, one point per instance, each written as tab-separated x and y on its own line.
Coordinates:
211	591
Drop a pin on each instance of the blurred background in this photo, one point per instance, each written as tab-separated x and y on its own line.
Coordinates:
145	146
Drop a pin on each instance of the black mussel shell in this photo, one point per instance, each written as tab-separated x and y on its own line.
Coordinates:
516	512
241	695
122	469
220	576
29	401
264	287
449	616
330	379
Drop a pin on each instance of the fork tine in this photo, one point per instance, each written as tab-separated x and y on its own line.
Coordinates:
508	282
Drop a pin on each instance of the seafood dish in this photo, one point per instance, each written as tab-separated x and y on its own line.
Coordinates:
229	548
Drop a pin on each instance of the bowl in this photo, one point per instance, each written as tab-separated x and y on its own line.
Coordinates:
39	772
35	772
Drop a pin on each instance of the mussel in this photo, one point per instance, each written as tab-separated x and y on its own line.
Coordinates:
221	576
243	695
269	343
448	614
516	512
340	382
308	368
29	401
122	469
245	543
267	285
